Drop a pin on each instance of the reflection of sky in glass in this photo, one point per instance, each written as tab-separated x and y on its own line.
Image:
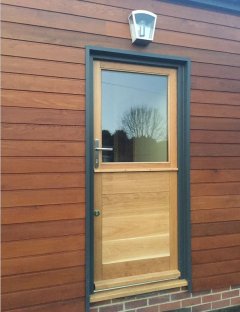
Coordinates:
122	91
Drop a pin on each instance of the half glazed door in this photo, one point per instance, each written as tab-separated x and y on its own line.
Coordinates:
135	175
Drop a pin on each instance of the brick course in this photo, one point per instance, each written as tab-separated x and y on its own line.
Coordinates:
178	299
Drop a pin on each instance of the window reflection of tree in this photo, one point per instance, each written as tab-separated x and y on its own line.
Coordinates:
142	137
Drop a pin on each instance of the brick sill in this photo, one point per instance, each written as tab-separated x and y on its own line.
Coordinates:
136	290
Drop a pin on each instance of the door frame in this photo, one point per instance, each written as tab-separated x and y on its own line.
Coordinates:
183	66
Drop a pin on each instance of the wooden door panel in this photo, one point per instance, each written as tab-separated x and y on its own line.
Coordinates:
135	226
132	182
135	241
137	202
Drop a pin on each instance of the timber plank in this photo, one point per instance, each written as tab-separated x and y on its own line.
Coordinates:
211	123
104	12
215	202
218	241
19	98
35	49
210	110
215	163
43	116
42	132
42	197
42	164
40	296
202	149
42	148
217	228
17	231
73	305
215	97
83	24
214	84
216	282
34	247
215	71
205	136
215	215
214	269
42	181
42	262
202	189
206	176
42	279
12	81
42	68
43	213
215	255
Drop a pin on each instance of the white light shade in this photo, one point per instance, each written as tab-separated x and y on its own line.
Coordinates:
142	26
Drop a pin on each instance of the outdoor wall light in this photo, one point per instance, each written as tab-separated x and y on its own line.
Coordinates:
142	26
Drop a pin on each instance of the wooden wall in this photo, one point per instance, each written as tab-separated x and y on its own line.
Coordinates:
43	104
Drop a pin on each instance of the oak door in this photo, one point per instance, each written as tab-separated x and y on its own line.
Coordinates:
135	174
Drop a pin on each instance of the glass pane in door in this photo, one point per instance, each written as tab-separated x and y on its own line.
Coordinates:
134	117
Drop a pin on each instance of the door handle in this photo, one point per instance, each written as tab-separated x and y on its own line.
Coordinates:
110	149
97	149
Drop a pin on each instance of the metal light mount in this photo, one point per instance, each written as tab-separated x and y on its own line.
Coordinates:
142	26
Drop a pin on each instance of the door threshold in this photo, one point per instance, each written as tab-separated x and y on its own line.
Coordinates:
136	290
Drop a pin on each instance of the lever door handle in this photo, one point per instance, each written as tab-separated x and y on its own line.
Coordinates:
110	149
97	149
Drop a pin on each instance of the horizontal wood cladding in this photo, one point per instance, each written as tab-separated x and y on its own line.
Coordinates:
112	29
215	255
69	46
14	232
61	305
53	294
205	136
216	282
42	164
212	97
34	247
42	181
41	116
212	242
42	279
54	261
206	176
213	269
42	148
27	65
40	83
211	123
43	144
38	100
43	132
215	215
38	213
42	197
216	228
215	163
42	67
175	10
215	202
100	11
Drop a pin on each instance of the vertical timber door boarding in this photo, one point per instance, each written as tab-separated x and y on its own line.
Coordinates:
135	174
